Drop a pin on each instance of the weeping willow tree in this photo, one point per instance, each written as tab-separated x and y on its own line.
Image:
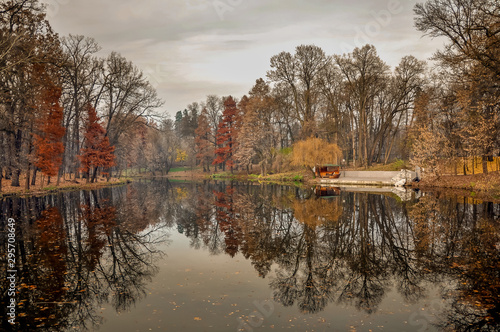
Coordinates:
315	151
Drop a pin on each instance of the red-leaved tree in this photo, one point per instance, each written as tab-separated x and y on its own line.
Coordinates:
226	135
48	144
97	151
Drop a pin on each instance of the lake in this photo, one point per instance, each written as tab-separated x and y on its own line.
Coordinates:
232	256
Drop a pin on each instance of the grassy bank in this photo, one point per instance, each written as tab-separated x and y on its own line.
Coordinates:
295	177
64	184
481	186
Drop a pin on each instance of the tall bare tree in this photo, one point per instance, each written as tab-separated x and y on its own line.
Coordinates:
300	73
366	76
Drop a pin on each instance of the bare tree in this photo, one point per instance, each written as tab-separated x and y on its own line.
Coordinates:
366	76
301	74
81	72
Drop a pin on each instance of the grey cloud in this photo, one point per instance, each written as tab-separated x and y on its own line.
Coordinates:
192	49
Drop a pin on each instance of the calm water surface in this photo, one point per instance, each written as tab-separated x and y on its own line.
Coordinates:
164	256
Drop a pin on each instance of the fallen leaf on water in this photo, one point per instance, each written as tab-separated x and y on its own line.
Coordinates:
197	318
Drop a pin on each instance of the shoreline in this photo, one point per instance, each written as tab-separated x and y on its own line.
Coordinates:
65	186
480	186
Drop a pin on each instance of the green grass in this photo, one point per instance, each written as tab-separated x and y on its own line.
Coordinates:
253	177
286	151
394	166
291	177
179	169
224	175
50	188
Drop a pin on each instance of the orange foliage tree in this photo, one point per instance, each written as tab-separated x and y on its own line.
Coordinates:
204	148
48	145
226	134
97	151
315	151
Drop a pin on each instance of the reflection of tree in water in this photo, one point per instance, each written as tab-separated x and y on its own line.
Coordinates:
335	257
461	240
226	220
352	249
302	277
77	253
476	300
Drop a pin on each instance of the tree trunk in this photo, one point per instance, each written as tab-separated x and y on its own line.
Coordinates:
27	181
1	176
485	164
353	152
94	175
59	171
15	178
33	179
28	168
8	173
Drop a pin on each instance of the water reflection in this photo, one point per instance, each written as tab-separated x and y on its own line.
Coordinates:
352	249
75	253
80	250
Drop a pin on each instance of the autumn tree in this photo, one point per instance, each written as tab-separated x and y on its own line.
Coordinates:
82	73
315	151
48	144
257	138
165	146
470	26
204	148
250	136
365	77
26	40
97	151
127	94
300	73
471	59
226	133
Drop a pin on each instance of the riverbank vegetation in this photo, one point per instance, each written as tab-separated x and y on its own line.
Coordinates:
67	113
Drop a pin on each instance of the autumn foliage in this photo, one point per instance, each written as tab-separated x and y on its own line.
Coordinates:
226	135
204	148
97	151
48	144
315	151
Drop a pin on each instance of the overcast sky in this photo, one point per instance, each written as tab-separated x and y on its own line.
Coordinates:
192	48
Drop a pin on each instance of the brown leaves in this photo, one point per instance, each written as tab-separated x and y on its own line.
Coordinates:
97	152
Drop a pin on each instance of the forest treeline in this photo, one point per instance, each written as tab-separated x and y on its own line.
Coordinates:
66	111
